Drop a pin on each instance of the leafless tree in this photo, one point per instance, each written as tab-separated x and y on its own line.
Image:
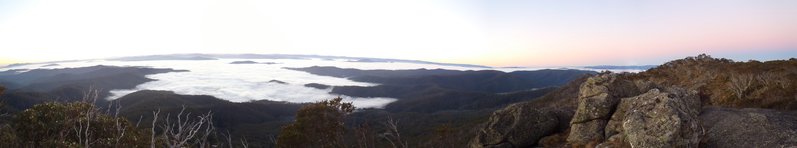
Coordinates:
121	128
88	114
228	137
230	142
740	83
139	120
393	136
769	79
152	130
244	142
83	129
364	136
187	131
209	128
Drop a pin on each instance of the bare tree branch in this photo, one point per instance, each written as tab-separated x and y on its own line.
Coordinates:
393	136
154	121
187	131
740	83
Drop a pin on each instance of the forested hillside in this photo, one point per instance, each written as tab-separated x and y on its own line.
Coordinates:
450	101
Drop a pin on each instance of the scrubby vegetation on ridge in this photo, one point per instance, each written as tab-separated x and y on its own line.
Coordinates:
83	124
70	125
723	82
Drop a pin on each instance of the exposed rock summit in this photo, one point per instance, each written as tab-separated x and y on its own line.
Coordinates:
693	102
598	97
667	118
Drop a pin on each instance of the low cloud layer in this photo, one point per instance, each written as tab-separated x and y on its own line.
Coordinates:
246	82
239	82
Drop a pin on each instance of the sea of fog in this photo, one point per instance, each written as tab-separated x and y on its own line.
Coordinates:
246	82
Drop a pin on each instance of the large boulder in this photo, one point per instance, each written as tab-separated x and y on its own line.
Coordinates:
517	125
726	127
657	119
597	99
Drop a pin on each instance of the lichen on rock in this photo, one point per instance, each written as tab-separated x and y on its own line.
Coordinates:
598	97
516	126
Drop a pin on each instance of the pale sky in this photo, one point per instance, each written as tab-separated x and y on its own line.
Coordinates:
484	32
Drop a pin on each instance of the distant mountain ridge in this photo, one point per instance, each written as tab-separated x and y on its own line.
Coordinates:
51	78
432	90
201	56
197	56
489	81
69	84
638	67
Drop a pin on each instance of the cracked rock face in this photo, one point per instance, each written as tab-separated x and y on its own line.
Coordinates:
516	126
662	119
598	97
613	111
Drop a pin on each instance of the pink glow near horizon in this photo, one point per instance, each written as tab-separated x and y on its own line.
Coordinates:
493	33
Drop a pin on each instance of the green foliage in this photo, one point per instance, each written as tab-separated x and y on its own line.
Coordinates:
319	124
70	125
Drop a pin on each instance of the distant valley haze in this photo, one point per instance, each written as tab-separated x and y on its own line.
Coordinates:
248	77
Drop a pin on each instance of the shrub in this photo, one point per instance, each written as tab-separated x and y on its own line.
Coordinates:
319	124
73	125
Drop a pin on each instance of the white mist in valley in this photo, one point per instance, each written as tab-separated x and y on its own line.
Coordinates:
260	81
246	82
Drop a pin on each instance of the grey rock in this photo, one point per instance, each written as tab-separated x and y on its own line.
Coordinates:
516	126
615	125
598	97
726	127
662	119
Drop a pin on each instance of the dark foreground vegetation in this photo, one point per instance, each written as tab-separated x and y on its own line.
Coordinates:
161	119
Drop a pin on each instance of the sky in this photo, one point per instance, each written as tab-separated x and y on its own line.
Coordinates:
483	32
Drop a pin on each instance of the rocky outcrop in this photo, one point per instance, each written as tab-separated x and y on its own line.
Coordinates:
516	126
726	127
667	118
663	107
598	97
506	126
